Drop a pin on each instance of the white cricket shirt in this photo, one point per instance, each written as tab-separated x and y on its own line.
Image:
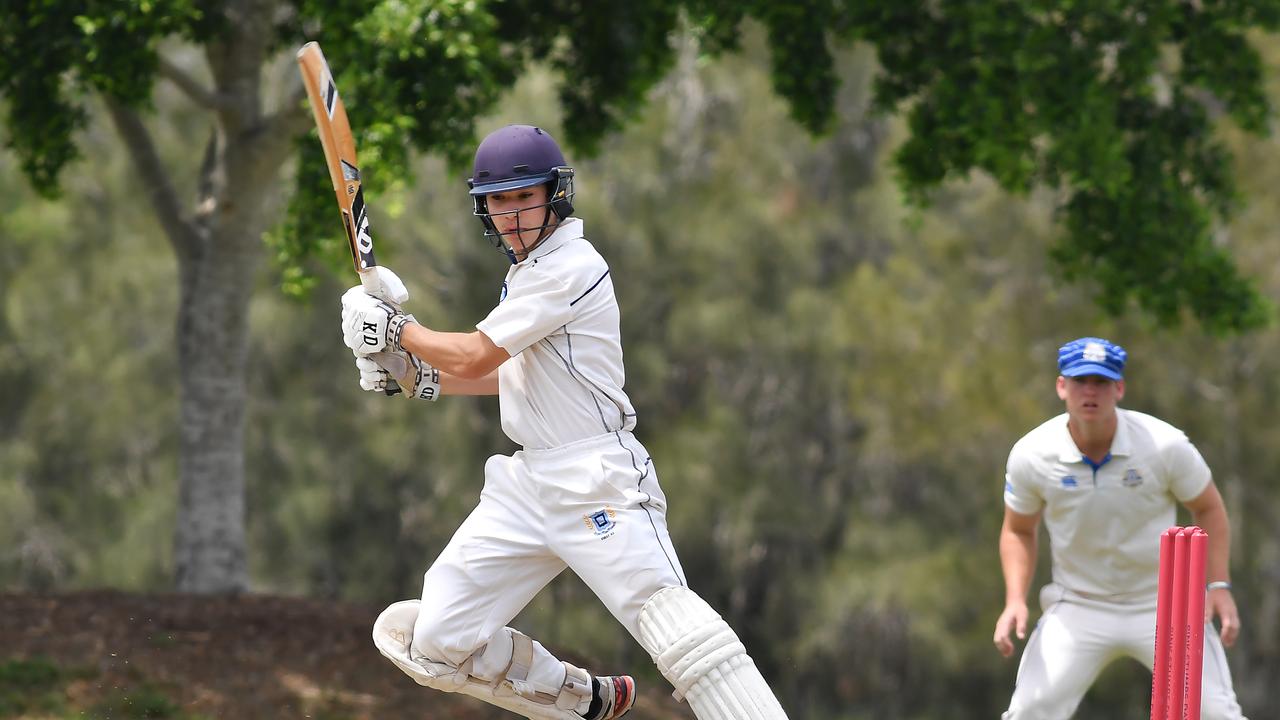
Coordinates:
558	318
1104	524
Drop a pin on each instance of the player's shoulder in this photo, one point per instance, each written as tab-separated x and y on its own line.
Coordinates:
574	261
1150	430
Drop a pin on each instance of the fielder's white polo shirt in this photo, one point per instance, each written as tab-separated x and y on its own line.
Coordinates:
1104	524
558	318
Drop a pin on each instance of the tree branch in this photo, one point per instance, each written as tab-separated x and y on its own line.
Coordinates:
202	95
159	188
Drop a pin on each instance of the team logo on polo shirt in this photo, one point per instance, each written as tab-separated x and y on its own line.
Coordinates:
1131	478
502	294
1069	481
601	522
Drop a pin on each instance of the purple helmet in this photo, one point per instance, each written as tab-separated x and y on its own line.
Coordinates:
515	157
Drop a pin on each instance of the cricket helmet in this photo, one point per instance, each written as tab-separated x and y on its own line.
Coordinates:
517	157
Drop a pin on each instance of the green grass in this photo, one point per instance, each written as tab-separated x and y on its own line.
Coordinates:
31	687
37	688
143	702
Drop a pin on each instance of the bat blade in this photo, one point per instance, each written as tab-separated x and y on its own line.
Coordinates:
344	168
339	152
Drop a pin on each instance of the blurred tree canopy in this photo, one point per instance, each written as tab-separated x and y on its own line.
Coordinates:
1107	103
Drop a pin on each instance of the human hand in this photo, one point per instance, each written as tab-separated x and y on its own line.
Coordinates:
1012	620
1220	602
382	370
370	324
385	285
374	377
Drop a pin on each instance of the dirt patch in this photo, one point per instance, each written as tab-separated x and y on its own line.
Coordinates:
246	657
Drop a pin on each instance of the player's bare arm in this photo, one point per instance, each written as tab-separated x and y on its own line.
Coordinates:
1209	512
1018	561
464	356
454	385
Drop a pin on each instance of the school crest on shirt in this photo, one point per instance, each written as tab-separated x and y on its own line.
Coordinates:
1131	478
602	522
1069	481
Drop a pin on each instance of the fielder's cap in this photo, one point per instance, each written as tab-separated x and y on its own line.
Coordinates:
1092	356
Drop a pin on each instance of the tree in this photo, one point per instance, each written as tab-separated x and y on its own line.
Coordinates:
1107	104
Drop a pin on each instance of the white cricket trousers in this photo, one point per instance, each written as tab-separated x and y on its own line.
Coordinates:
1076	637
593	506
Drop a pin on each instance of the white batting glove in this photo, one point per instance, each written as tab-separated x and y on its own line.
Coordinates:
371	325
379	370
385	285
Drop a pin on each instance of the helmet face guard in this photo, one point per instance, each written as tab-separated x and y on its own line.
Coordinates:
559	204
513	158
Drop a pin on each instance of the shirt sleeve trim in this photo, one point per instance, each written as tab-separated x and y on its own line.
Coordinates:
593	287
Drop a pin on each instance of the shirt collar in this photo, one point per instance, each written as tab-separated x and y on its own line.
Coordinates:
569	229
1120	444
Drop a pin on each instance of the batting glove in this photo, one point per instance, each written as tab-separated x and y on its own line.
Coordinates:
371	325
385	285
381	370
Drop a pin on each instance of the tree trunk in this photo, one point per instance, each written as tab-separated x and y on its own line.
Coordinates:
209	538
219	249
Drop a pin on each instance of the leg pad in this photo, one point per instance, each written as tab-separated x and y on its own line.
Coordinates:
393	635
702	657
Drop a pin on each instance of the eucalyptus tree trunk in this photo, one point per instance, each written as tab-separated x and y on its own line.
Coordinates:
217	239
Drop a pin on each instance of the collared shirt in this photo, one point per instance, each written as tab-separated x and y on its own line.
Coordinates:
557	316
1105	521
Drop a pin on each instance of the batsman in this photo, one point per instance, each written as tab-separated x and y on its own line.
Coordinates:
582	493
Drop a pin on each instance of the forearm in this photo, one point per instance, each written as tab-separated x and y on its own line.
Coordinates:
1018	562
454	354
454	385
1214	522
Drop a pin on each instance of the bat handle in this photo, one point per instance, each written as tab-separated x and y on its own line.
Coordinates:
369	279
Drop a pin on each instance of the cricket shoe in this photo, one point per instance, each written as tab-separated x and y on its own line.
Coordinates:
614	696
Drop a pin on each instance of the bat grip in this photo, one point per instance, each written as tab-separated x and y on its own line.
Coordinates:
369	280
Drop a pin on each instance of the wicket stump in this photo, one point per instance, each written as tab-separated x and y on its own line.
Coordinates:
1175	681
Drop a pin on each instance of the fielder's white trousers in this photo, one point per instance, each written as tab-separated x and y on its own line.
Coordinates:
1077	636
593	506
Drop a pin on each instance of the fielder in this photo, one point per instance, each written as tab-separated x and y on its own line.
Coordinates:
583	492
1105	480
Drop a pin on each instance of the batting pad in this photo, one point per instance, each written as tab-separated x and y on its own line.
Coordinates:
393	634
702	657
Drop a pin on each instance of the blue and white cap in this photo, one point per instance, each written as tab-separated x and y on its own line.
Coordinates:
1092	356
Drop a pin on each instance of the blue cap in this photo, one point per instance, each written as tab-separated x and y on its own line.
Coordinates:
1092	356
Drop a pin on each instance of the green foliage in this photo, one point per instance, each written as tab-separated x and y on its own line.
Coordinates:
92	435
54	51
1103	103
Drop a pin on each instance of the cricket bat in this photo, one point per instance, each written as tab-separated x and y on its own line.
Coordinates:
344	170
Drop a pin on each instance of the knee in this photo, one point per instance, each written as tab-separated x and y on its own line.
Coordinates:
432	640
